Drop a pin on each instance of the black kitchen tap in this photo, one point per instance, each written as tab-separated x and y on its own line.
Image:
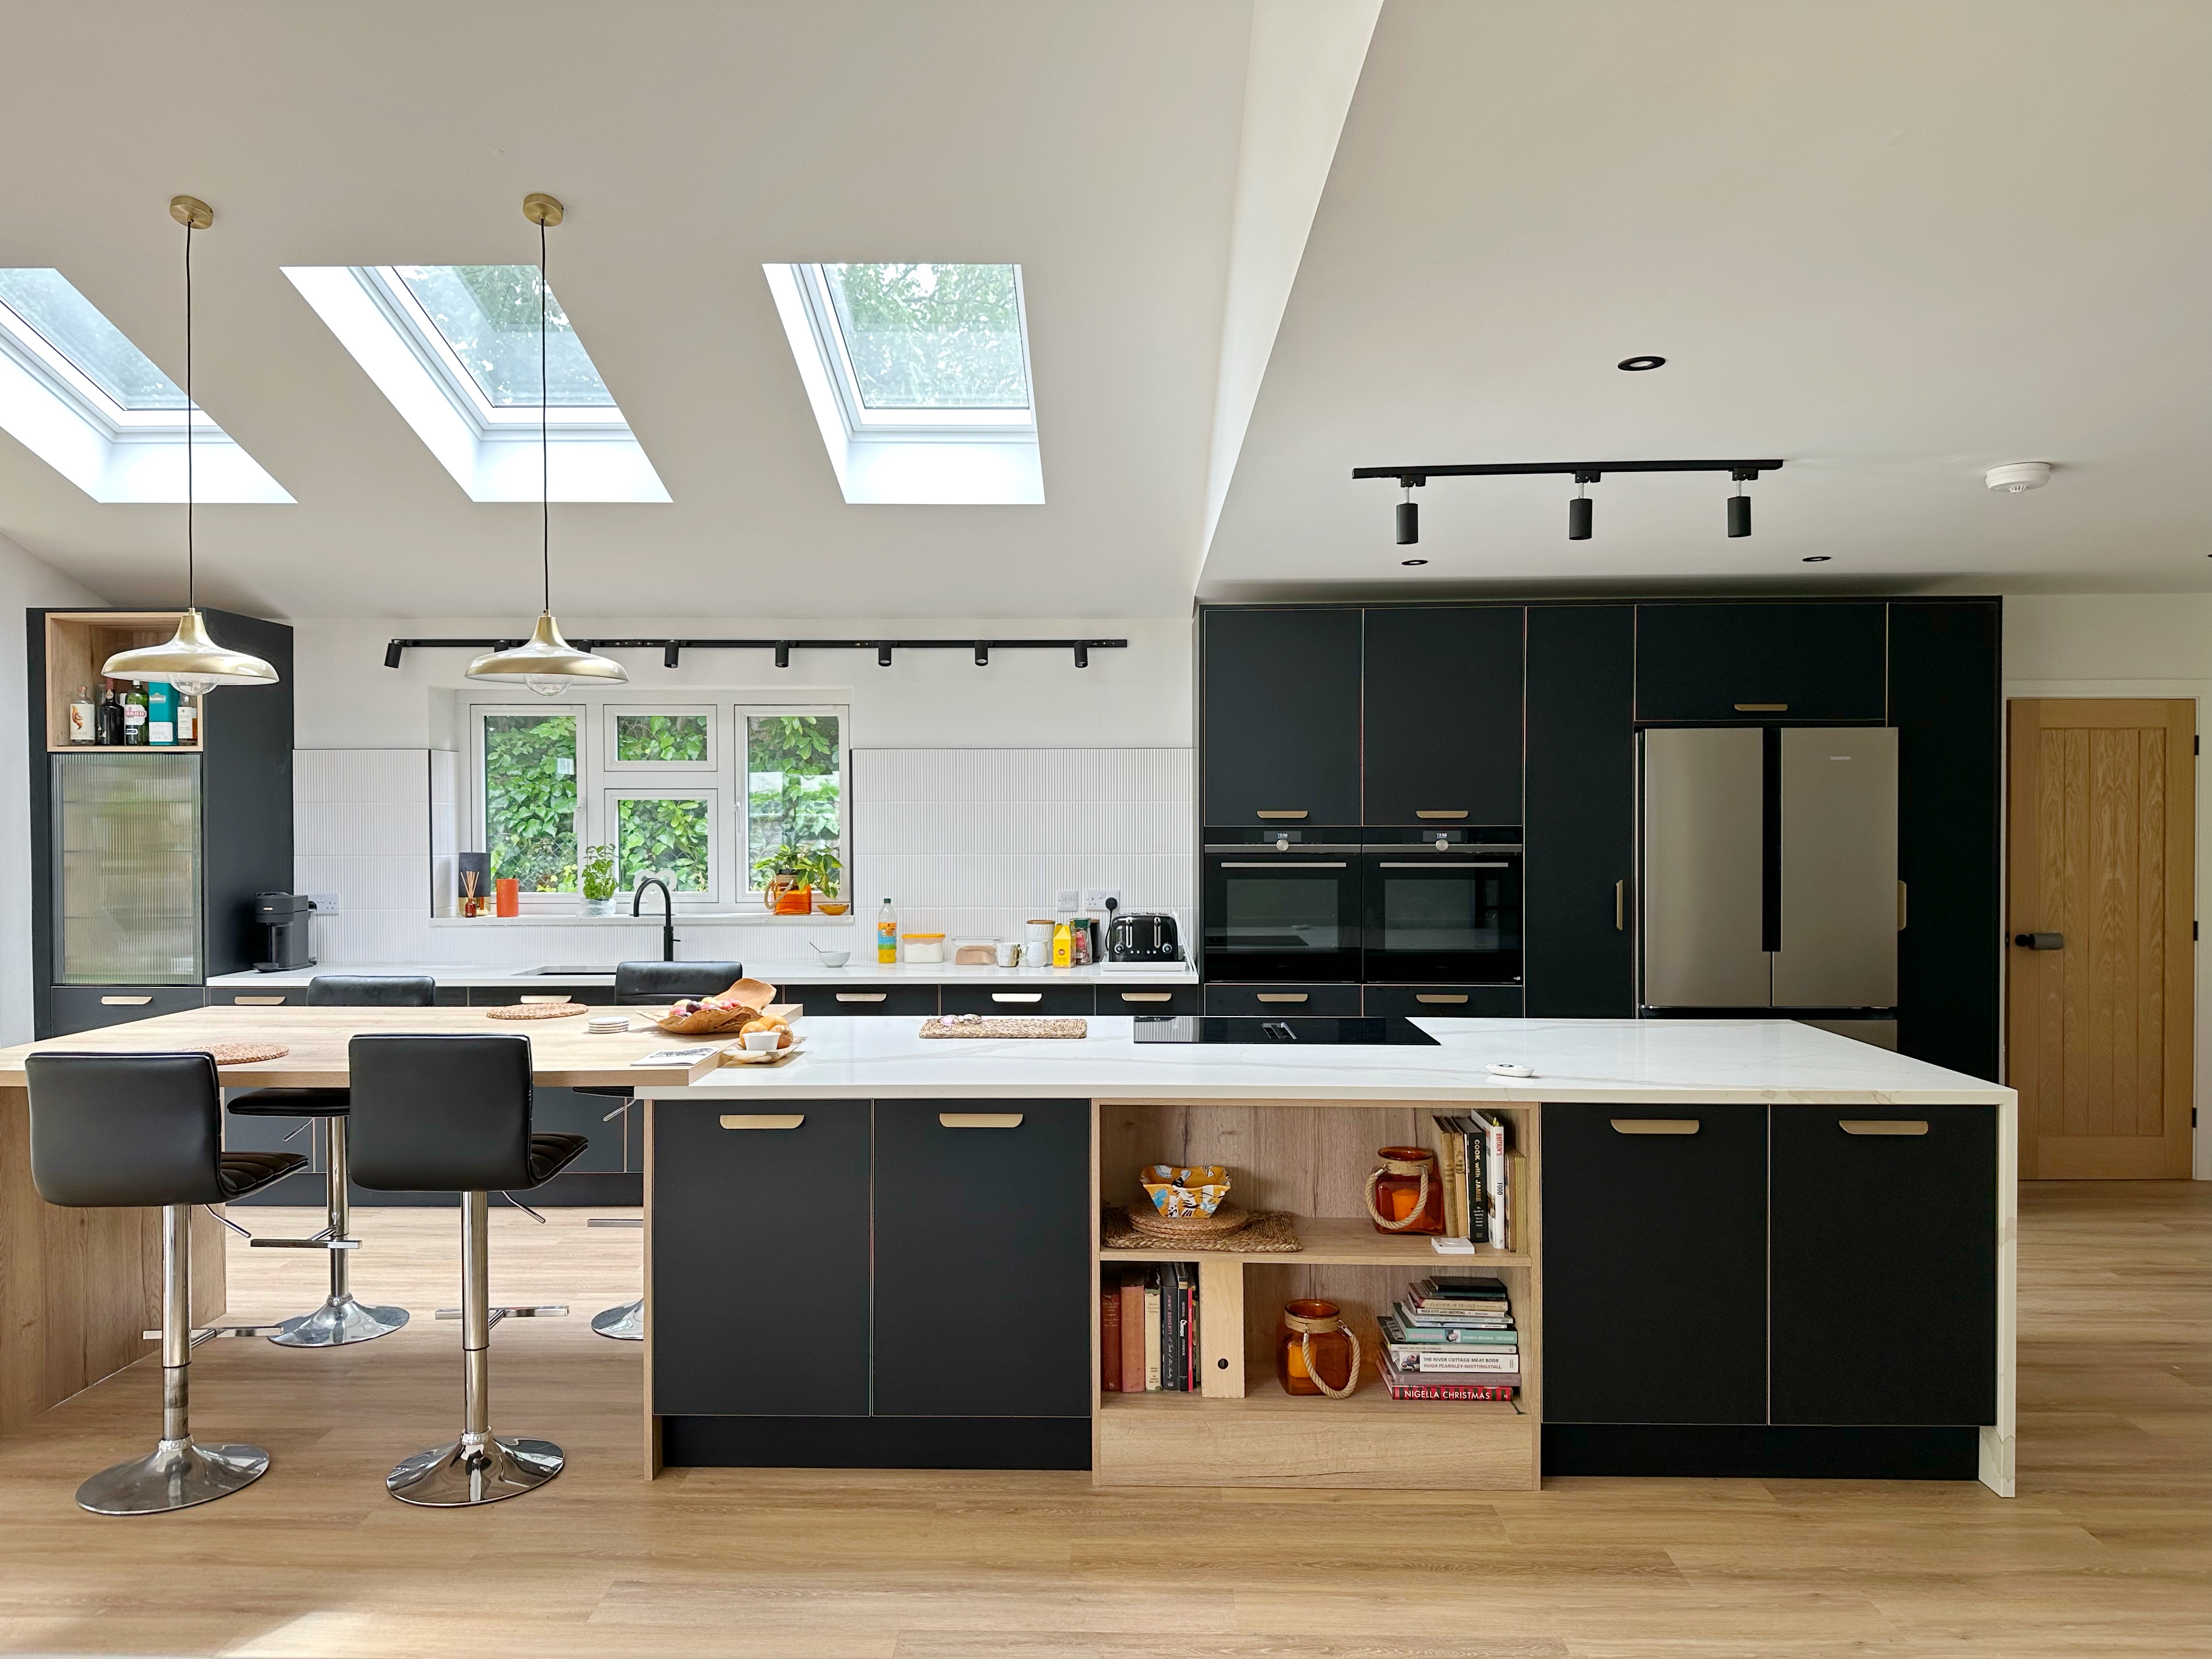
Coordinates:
667	913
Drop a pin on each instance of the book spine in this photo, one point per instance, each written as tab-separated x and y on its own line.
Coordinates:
1494	1168
1171	1327
1109	1338
1133	1333
1193	1379
1478	1197
1153	1336
1431	1359
1450	1149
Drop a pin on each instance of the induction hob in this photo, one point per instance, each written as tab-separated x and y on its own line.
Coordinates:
1394	1032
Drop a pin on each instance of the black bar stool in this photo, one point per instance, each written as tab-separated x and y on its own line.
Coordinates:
341	1319
452	1114
129	1131
644	984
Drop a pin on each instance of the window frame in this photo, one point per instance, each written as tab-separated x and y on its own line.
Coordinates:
611	797
533	900
742	794
614	764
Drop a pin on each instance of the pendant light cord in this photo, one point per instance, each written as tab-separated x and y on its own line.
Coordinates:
191	563
544	444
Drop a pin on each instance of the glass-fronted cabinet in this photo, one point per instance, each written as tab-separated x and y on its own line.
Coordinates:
127	879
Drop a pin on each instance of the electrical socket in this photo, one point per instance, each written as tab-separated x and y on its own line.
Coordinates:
326	904
1095	898
1064	898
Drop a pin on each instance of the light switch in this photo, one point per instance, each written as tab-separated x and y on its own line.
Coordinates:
1064	898
326	904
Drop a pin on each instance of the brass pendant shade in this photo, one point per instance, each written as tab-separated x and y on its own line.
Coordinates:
548	663
191	661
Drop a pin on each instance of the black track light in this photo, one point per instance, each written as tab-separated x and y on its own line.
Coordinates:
883	656
783	656
1083	656
1738	510
1579	510
1409	520
982	655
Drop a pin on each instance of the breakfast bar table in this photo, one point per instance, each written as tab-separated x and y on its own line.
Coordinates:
79	1288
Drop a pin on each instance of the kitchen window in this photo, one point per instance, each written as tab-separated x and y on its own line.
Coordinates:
714	797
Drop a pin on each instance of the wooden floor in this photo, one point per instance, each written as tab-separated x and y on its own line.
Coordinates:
2107	1550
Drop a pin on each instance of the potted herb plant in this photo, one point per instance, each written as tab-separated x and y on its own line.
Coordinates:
822	870
596	875
778	873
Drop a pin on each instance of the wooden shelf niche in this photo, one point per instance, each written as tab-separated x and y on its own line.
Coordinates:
1243	1429
77	643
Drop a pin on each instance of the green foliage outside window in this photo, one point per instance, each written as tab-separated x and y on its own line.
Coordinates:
529	798
793	765
660	737
671	837
932	337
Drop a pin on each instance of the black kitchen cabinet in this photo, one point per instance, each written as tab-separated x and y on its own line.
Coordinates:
1575	899
1946	701
1282	999
1015	1001
982	1305
1148	998
1655	1264
1442	1001
1278	714
507	996
1441	719
852	999
1823	662
761	1258
1884	1265
88	1007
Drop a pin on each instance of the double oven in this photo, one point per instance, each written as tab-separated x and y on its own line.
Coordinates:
1423	906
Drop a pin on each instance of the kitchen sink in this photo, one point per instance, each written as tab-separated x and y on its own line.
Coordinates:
569	970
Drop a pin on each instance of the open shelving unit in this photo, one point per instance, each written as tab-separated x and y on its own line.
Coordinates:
1243	1429
77	643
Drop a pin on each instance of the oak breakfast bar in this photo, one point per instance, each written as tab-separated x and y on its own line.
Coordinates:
1738	1247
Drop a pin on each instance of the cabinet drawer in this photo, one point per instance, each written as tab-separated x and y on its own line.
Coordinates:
983	1299
1281	999
253	996
1655	1264
506	996
1885	1265
1148	1000
1761	663
760	1258
1442	1002
849	1000
88	1008
1015	999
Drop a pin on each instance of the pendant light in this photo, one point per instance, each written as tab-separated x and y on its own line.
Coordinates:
547	664
191	661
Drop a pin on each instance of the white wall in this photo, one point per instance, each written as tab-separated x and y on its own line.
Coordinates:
2127	645
24	580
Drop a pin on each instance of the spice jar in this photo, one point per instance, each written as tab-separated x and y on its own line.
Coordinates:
1316	1352
1404	1193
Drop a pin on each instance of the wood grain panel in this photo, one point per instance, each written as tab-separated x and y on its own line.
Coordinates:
2101	851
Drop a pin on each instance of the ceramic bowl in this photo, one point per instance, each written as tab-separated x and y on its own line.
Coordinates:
834	958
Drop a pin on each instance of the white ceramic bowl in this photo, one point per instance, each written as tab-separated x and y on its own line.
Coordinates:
834	958
760	1040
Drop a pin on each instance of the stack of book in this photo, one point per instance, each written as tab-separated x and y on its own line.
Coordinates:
1451	1336
1472	1160
1148	1330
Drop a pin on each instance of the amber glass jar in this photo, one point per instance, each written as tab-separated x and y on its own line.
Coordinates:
1315	1352
1404	1193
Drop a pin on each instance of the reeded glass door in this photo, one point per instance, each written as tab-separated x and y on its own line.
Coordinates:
127	869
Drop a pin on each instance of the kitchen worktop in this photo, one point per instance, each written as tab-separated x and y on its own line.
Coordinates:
788	972
1643	1062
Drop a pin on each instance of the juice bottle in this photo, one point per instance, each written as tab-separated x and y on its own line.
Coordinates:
887	934
1063	946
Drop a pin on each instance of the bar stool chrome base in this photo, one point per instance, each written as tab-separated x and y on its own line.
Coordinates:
339	1321
175	1475
624	1324
475	1469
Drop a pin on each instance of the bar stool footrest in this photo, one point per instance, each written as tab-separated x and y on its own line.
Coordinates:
549	1310
209	1333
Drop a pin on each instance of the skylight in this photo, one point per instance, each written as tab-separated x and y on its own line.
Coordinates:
455	350
78	394
919	377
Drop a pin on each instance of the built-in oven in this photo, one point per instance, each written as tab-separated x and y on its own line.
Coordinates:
1442	906
1282	904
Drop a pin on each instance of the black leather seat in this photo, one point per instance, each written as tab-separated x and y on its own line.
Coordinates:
337	991
131	1131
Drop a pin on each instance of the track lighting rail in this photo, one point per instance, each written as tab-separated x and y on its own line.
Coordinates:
1589	471
671	650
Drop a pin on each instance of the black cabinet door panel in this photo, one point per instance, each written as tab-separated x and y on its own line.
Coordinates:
1732	663
1655	1265
1442	1001
1279	716
88	1008
850	1000
1885	1265
1442	719
759	1259
983	1299
1135	1000
1017	1001
1282	999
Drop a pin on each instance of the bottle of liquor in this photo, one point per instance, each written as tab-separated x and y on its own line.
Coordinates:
133	716
160	714
108	727
188	718
84	716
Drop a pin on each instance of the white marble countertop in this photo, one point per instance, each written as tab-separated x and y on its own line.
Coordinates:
1643	1062
789	972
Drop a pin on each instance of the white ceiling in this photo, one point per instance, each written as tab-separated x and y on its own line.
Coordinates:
1894	242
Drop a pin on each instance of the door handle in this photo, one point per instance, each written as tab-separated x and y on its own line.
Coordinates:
862	996
258	1002
1280	864
1280	996
124	1002
1900	907
1439	996
1438	864
1883	1126
1419	814
1284	813
1762	708
1148	996
2040	941
1018	996
1620	907
762	1120
980	1120
1654	1126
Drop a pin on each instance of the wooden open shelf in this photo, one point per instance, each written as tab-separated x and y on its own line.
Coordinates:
77	643
1341	1241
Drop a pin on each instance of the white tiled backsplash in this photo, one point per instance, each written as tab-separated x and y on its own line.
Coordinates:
966	841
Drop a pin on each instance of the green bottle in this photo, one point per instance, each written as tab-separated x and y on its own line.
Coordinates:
133	716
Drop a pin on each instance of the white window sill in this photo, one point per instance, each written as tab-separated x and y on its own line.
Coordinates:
651	918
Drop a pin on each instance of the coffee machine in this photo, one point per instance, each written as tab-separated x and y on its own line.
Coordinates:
289	919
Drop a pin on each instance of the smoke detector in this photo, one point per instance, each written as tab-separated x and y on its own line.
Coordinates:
2018	476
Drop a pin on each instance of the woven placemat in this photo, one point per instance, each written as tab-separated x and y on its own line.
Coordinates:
1269	1232
987	1026
537	1011
242	1054
1227	1218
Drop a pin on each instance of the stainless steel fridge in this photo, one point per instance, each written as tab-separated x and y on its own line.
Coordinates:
1769	871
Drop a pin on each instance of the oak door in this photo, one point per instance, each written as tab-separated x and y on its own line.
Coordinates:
2101	996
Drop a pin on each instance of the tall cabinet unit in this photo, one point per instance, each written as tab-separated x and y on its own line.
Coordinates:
147	860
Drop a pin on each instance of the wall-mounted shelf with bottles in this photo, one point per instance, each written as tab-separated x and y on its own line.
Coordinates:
77	643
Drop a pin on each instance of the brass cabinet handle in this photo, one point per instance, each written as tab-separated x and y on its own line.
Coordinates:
558	999
1443	864
1419	814
1148	996
1900	907
762	1120
980	1120
862	996
1883	1126
124	1002
1654	1126
1762	708
1300	813
1620	907
1439	996
1280	996
1018	996
258	1002
1282	864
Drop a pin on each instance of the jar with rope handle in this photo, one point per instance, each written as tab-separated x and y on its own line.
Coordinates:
1316	1352
1405	1193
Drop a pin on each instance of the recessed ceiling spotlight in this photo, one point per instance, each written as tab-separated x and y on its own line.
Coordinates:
1638	365
1818	558
2018	476
1413	561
